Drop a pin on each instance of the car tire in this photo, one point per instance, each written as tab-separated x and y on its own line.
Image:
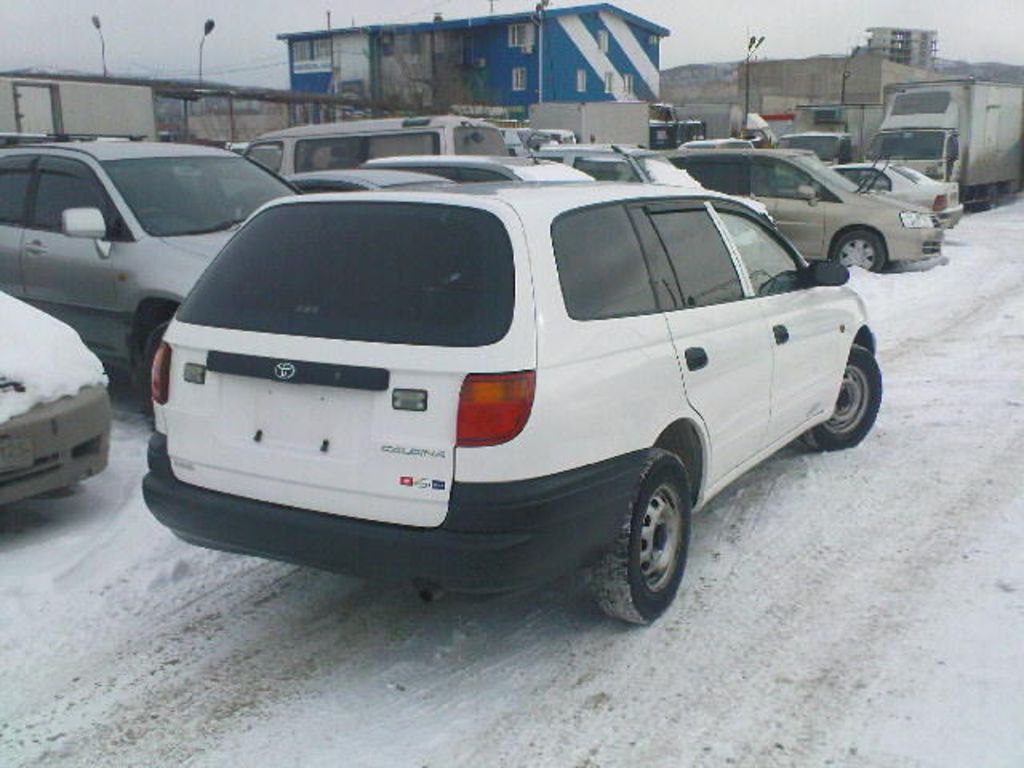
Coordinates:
860	397
638	577
861	248
144	372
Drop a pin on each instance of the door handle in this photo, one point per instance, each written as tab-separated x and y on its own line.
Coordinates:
696	358
36	248
781	334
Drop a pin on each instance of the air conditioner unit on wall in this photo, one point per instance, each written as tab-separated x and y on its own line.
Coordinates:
480	63
527	49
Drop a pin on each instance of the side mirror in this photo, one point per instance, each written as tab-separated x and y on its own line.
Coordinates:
806	192
84	222
828	273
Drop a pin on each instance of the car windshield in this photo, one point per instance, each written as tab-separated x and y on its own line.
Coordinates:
173	196
813	165
907	145
825	147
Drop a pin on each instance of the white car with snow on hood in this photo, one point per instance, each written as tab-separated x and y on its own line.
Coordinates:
54	409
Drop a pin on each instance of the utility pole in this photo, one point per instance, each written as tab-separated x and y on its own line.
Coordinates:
846	73
752	45
540	9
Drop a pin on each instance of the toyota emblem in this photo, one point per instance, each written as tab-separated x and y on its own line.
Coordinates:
284	371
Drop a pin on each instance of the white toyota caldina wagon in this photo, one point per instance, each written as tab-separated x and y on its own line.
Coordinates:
486	387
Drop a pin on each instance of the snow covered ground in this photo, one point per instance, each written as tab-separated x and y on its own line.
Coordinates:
859	609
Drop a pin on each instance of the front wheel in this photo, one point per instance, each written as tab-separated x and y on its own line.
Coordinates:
637	579
861	248
860	396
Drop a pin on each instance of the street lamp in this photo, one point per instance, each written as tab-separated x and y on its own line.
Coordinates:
103	43
539	12
207	29
752	45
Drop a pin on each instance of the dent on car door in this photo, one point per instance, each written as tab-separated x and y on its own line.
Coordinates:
804	324
71	278
721	340
777	184
15	178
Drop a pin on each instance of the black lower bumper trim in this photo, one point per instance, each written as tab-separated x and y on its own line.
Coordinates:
498	537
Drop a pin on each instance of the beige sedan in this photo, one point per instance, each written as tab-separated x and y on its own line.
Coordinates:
821	212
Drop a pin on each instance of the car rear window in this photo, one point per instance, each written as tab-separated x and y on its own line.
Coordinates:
397	273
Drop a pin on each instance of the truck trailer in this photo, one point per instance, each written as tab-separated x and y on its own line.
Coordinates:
595	122
53	107
960	130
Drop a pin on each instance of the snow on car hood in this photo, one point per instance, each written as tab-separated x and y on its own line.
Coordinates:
44	355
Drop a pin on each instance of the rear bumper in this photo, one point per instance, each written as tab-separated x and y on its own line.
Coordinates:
497	537
69	440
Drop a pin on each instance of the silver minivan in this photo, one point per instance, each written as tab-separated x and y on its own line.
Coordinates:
330	146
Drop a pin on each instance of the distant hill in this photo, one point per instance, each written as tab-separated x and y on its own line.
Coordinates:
990	70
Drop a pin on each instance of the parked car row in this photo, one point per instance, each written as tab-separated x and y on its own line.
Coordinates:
475	387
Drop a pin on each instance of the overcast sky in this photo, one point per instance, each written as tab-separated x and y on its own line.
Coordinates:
161	37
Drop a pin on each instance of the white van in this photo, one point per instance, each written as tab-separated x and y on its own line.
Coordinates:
483	387
329	146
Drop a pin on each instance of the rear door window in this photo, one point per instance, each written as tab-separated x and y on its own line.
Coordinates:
328	154
775	179
699	257
478	140
600	264
397	273
15	174
727	176
606	169
391	145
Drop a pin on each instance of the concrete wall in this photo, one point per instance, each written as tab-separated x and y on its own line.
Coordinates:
781	85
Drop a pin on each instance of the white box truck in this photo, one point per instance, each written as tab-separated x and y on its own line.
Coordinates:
961	130
42	106
596	122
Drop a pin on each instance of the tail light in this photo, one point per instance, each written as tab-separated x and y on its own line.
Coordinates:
494	408
941	201
160	375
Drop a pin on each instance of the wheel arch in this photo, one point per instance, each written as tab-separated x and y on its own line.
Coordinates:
683	439
150	313
865	338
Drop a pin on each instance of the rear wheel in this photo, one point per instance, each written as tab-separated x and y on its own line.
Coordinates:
860	396
861	248
637	579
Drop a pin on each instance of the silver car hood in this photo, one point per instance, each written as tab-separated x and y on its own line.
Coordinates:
205	246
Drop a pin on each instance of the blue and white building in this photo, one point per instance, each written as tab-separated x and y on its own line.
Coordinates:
593	52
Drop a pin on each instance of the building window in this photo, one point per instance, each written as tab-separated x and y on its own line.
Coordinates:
627	84
609	81
653	40
581	80
602	40
322	49
519	79
519	36
302	51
